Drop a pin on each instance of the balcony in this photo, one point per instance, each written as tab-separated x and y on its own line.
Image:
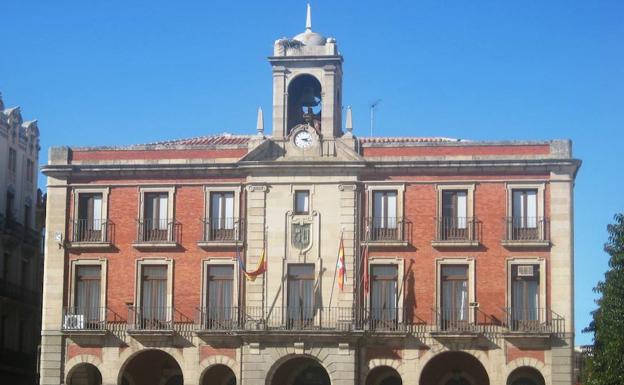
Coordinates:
533	323
157	234
302	320
89	321
527	232
458	232
90	234
156	321
221	232
19	293
461	323
385	231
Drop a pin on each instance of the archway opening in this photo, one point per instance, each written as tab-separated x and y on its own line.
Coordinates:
454	368
84	374
300	371
304	102
525	376
218	375
151	367
383	375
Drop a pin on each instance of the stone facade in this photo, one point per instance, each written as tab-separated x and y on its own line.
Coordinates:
21	262
406	211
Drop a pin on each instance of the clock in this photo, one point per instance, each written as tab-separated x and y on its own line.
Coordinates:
303	139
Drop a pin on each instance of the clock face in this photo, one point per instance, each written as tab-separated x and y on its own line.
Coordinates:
303	139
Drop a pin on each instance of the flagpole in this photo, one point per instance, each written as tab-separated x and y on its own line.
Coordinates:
264	243
331	296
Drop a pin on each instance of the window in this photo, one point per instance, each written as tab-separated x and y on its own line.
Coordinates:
30	170
525	294
153	311
302	202
9	205
454	296
383	295
219	296
222	222
87	292
156	219
88	227
300	294
384	215
524	209
454	222
12	160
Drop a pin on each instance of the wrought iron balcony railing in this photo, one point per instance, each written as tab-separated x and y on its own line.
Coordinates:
459	320
384	229
527	229
457	229
157	231
84	319
227	229
156	319
90	231
534	321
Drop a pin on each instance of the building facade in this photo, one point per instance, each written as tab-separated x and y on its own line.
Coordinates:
21	260
214	260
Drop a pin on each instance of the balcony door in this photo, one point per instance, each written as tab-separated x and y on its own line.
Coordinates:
88	227
219	296
153	311
383	295
300	310
155	217
524	214
384	215
87	294
454	224
222	221
525	296
454	300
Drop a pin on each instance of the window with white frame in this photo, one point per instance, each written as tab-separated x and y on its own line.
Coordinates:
384	284
222	218
300	298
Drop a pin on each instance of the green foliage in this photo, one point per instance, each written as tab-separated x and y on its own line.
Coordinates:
606	365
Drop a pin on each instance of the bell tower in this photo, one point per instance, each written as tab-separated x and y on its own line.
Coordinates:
307	84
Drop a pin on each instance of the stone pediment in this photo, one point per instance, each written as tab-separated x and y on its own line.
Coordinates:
283	150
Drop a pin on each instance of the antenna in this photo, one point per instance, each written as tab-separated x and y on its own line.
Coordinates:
372	106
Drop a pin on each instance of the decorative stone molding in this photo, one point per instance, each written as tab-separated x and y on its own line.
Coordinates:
211	361
348	187
530	363
257	187
78	360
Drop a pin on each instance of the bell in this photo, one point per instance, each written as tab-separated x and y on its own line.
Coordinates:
307	97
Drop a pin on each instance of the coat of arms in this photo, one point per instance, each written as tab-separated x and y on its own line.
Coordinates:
301	235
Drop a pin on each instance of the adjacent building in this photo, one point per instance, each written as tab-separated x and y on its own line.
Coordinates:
21	261
217	259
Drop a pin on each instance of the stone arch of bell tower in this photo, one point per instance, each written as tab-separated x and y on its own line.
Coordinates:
309	55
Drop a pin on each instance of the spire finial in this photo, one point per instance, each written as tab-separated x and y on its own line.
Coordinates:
349	122
260	122
309	19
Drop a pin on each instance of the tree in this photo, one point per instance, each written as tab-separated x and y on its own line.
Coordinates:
606	365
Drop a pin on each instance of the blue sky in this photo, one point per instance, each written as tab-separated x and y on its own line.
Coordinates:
121	72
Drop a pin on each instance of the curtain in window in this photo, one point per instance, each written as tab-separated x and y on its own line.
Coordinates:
385	209
384	287
222	210
455	293
97	212
525	208
87	300
461	209
301	293
302	202
220	293
154	293
525	299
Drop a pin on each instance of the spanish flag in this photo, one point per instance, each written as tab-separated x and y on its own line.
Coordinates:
340	265
252	275
260	269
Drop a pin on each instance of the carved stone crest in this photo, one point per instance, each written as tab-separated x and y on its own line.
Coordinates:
300	235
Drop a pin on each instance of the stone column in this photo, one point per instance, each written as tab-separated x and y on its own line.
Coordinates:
562	272
51	360
280	97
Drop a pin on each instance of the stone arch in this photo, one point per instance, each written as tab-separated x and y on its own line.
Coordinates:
528	362
466	366
128	356
209	362
84	373
429	355
383	374
78	360
284	360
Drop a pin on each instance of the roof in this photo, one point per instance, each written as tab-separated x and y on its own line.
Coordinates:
405	139
221	139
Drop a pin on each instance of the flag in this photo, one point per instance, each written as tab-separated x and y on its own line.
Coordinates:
260	269
340	265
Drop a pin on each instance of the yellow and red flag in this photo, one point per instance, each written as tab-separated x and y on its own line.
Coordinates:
340	265
260	269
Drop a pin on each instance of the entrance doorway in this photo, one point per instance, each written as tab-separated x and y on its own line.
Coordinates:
151	367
